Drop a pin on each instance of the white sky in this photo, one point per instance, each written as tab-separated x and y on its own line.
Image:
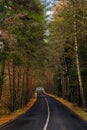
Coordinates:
49	12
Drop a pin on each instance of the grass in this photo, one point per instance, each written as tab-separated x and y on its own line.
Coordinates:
78	110
6	118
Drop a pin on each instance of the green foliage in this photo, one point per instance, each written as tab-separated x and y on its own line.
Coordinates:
57	83
23	25
17	59
1	8
62	40
4	56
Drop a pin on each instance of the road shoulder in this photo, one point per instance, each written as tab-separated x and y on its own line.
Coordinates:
74	108
14	115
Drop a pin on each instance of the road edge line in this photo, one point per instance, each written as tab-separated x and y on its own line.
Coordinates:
48	117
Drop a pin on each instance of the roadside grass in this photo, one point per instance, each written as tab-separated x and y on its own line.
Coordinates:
78	110
8	117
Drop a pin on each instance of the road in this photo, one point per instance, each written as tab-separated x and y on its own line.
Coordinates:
47	114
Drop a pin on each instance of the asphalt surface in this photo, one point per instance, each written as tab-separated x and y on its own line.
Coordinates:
47	114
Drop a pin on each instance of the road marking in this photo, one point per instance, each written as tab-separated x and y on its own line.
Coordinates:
48	117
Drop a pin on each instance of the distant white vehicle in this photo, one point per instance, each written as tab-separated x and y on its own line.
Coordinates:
39	89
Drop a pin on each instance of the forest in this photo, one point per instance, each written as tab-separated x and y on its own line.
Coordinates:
37	52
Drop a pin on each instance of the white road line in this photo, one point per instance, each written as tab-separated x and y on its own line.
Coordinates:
48	117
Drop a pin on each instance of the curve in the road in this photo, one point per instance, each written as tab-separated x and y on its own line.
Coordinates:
47	114
48	117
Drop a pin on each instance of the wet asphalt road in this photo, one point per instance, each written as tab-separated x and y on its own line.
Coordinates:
47	114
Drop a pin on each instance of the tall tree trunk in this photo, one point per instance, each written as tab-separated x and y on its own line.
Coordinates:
63	84
13	90
23	90
27	84
2	77
67	80
10	83
78	66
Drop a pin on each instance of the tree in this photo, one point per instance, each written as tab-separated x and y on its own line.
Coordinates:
68	27
19	23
